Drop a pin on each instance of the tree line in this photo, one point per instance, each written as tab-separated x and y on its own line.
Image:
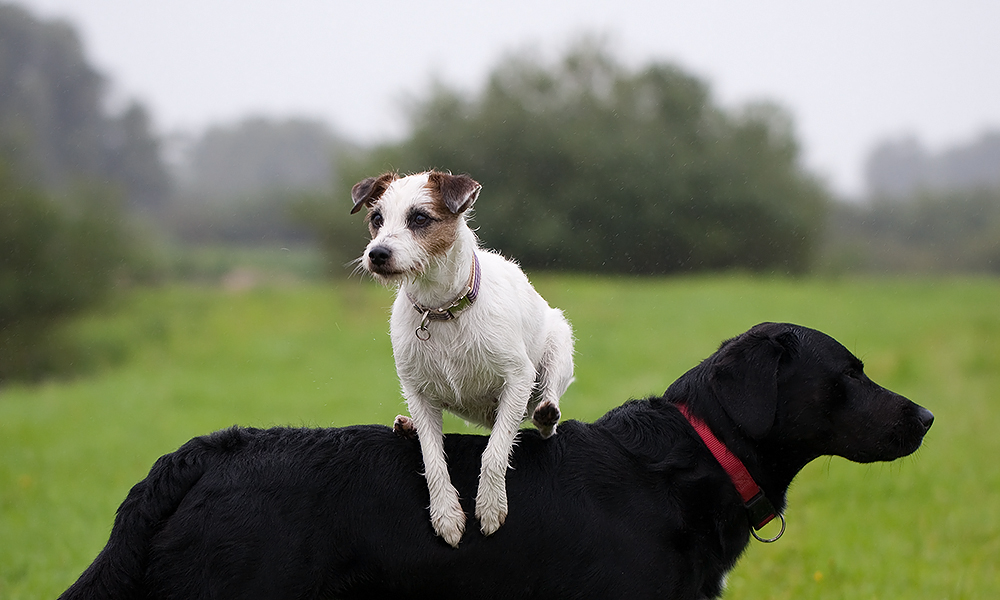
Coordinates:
925	212
587	165
68	169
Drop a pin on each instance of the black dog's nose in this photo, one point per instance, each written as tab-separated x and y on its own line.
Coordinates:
926	418
379	255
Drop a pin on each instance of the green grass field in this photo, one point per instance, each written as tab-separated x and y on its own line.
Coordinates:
189	360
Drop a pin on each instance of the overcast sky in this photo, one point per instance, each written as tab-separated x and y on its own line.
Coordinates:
851	72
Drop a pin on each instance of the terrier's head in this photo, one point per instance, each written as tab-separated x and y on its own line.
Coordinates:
413	220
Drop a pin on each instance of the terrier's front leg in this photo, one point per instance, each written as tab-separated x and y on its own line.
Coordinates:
447	516
491	497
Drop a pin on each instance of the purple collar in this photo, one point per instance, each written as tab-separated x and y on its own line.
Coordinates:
450	311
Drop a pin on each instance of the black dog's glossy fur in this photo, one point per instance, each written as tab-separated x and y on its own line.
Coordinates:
631	506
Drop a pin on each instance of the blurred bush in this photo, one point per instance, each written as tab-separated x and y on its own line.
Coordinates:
924	212
587	165
930	231
58	256
238	184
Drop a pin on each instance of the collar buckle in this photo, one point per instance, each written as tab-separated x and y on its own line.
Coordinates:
760	511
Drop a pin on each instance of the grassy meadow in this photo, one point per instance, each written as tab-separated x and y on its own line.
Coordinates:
183	361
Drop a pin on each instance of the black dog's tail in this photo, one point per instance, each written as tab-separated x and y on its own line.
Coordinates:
118	570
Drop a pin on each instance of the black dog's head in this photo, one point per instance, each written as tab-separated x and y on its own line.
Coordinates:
796	387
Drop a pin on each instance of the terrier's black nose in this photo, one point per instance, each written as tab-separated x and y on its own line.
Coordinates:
379	255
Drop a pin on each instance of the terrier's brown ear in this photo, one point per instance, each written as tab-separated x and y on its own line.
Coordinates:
367	191
458	192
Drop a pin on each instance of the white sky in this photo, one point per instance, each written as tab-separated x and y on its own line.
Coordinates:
851	72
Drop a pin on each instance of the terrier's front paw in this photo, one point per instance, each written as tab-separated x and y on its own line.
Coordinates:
546	418
449	520
491	510
403	427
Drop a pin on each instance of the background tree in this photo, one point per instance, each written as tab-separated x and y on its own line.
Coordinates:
54	128
239	183
67	168
57	257
925	211
903	168
587	165
259	154
928	232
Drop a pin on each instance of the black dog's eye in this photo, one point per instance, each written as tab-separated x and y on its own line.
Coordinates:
376	220
853	373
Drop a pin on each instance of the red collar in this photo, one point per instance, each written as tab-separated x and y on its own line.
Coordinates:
759	508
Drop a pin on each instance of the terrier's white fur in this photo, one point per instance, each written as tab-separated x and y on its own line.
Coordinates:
503	357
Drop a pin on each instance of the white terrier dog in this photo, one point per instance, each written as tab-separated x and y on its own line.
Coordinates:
469	334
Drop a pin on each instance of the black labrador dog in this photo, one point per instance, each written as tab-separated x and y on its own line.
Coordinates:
635	505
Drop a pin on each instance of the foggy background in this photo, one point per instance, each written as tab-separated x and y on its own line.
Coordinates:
852	73
148	142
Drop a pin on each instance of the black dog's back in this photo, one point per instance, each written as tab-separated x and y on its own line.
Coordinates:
342	509
118	570
287	496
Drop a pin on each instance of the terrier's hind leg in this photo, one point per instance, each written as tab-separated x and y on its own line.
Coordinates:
403	427
555	373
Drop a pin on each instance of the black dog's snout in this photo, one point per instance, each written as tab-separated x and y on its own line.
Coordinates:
379	255
926	418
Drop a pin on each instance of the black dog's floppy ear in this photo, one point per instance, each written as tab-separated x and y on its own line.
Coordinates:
367	191
745	376
458	192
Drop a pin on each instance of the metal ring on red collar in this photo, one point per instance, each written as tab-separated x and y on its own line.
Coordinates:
773	539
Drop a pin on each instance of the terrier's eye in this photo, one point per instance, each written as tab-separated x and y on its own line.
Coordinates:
419	220
376	220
